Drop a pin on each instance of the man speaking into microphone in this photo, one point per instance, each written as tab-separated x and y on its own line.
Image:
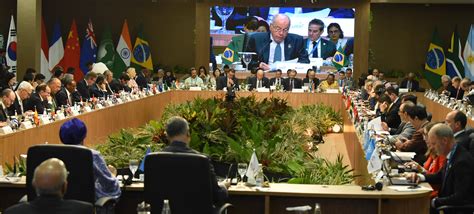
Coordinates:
277	45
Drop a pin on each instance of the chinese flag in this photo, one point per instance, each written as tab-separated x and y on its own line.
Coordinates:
72	52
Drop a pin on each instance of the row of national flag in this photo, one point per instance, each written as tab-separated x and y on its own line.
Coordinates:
72	54
455	62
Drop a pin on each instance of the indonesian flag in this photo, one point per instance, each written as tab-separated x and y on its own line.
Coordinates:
44	52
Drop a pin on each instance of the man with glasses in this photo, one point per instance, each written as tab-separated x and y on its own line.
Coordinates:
8	98
276	45
316	46
39	100
23	92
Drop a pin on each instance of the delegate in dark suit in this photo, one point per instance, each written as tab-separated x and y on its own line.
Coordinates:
391	117
328	49
222	83
35	102
275	81
412	85
219	193
63	99
3	114
457	180
287	84
464	139
260	44
95	91
51	205
309	81
253	83
116	86
15	107
83	89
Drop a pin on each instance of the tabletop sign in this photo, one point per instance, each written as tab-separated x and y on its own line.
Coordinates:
119	100
263	90
195	88
74	112
99	106
44	120
332	91
26	125
6	130
60	116
87	109
297	90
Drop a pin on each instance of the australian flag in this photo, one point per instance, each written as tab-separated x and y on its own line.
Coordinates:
88	49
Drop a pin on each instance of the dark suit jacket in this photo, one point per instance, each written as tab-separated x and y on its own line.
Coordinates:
315	80
328	49
416	144
141	81
117	86
391	117
62	98
96	92
35	102
15	107
3	114
253	83
260	44
222	83
457	181
83	89
219	193
464	139
273	81
415	86
51	205
297	83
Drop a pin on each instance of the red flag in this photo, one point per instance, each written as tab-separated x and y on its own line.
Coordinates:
44	52
72	52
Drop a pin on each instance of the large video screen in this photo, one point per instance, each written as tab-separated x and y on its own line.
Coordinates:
227	23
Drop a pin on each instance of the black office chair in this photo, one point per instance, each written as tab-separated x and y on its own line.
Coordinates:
183	179
464	209
81	182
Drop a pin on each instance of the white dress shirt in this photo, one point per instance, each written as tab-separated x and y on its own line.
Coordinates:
311	47
272	50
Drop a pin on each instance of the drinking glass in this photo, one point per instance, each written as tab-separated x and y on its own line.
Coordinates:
133	166
242	169
224	12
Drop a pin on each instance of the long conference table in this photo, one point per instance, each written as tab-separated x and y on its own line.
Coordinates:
333	199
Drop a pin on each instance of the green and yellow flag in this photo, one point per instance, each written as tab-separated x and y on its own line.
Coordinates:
340	60
231	52
435	65
141	54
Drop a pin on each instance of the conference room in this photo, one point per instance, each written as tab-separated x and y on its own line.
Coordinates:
214	106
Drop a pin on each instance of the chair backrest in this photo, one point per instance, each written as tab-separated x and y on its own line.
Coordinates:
182	178
78	161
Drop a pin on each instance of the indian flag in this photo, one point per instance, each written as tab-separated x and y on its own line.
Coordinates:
124	48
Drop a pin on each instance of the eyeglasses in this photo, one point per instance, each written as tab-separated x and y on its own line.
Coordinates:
279	29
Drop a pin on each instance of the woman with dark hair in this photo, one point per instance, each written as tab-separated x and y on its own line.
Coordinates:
169	78
215	75
8	81
263	26
204	75
336	35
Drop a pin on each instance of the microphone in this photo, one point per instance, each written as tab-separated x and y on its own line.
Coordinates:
260	51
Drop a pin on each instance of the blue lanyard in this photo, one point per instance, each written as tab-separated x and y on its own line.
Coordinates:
314	48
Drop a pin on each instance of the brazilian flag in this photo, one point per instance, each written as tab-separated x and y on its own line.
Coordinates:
231	53
435	65
340	59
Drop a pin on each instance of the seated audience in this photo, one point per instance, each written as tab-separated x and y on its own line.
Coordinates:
410	83
73	132
50	183
329	83
39	101
55	85
259	81
193	80
417	116
177	131
292	81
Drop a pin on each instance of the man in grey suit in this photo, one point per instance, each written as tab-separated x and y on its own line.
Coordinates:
405	130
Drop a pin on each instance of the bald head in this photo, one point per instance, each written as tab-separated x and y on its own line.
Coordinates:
50	178
279	27
441	138
260	74
55	85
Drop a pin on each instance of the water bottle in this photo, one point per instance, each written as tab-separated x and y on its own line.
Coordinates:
259	178
317	208
143	208
166	207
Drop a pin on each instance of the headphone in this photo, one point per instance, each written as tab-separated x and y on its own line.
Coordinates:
378	186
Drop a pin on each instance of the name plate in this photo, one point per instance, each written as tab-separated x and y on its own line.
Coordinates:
297	90
59	115
99	106
26	125
195	88
6	130
403	90
332	91
305	88
263	90
74	112
119	100
44	120
273	87
87	109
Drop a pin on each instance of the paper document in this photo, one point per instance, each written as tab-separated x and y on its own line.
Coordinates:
376	124
409	188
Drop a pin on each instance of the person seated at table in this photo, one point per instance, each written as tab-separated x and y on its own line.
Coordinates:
391	118
204	75
336	36
228	81
405	130
349	81
99	89
239	42
40	79
8	98
410	97
132	83
83	87
458	93
109	79
50	183
193	80
446	86
365	91
457	121
143	78
169	78
121	84
277	80
292	81
177	131
377	90
22	93
311	80
158	77
341	76
410	83
277	45
417	116
73	132
329	83
215	76
316	46
259	81
465	86
456	177
68	95
39	99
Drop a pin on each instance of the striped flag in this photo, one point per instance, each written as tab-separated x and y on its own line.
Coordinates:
44	52
89	48
11	47
124	48
469	54
56	48
454	64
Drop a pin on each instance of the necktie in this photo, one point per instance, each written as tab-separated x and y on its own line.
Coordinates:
315	48
259	85
277	56
291	84
409	85
278	81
